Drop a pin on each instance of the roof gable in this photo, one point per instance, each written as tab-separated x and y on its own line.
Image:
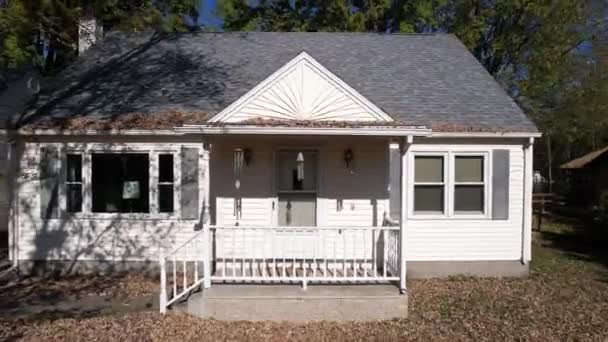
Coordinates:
585	160
302	89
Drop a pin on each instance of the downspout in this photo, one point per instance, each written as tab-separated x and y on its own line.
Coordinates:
526	239
405	145
13	215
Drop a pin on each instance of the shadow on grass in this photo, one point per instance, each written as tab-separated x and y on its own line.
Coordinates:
578	239
47	298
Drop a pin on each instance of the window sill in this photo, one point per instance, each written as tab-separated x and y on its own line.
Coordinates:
456	216
287	192
124	216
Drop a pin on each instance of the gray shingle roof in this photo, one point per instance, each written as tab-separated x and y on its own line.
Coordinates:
428	79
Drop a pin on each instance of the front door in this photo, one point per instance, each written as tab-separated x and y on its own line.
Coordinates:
296	182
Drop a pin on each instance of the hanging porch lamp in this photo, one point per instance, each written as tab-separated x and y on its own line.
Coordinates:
300	166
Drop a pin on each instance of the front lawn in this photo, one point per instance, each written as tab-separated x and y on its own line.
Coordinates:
565	298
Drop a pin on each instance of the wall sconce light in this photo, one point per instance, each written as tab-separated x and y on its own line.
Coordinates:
300	167
349	158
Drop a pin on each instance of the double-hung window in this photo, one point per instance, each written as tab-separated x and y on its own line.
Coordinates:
429	184
165	183
108	181
450	184
74	183
469	184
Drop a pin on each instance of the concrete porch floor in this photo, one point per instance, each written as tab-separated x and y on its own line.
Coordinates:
292	303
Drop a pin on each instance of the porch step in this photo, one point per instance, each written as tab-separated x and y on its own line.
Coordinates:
292	303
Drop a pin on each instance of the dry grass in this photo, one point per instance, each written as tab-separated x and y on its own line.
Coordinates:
565	298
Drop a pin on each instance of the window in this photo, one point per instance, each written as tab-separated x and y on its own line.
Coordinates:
297	188
165	183
469	186
74	183
120	182
429	184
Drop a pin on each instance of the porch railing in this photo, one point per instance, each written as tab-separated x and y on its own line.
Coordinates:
305	254
279	255
188	267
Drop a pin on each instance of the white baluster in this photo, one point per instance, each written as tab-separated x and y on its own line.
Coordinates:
185	275
195	254
244	249
274	252
344	253
163	284
384	251
335	240
174	277
324	249
365	254
234	252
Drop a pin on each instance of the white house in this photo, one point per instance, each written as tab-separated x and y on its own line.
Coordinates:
274	157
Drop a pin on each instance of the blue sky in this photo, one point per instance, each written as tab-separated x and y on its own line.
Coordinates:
207	16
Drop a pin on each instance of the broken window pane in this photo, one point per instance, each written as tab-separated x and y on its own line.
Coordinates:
120	182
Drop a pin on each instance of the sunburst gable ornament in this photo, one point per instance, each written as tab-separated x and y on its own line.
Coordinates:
302	90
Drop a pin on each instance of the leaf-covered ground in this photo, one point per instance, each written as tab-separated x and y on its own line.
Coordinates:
565	298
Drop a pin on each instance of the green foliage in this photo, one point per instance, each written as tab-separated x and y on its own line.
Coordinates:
23	22
13	29
533	48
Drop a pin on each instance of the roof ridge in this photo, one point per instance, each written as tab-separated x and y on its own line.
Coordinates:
193	33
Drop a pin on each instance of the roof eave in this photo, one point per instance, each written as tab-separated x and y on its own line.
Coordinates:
420	131
523	135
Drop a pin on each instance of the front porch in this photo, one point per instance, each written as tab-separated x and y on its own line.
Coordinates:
281	255
294	211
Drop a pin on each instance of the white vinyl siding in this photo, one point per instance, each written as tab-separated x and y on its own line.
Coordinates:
466	237
90	236
349	198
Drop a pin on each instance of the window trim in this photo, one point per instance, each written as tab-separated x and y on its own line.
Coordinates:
64	175
486	188
159	183
449	188
153	151
423	214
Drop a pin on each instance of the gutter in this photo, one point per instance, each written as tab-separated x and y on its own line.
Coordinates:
282	130
128	132
486	135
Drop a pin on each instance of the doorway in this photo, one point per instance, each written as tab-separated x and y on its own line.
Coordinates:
296	186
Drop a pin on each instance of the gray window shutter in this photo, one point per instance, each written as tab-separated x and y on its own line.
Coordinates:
190	192
49	182
500	184
395	183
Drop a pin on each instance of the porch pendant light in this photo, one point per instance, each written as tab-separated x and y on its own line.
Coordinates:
239	156
300	166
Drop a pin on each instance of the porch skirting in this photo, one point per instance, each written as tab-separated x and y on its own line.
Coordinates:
415	269
490	268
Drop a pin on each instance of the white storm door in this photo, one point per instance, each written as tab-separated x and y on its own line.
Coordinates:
296	184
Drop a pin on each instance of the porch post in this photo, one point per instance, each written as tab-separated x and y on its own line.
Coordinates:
527	210
403	214
208	243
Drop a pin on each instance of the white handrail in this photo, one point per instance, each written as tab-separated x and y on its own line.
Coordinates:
198	251
305	227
